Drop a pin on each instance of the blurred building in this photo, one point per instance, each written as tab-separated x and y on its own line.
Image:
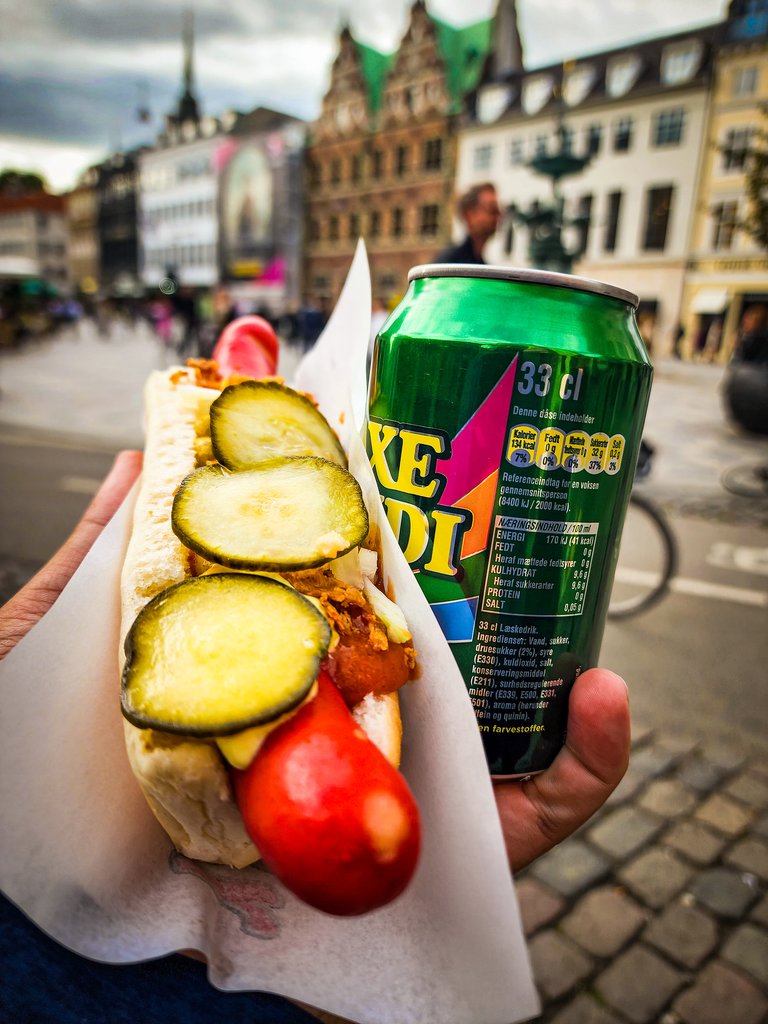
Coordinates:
34	241
117	215
259	168
178	215
82	205
381	157
103	230
178	183
638	113
728	268
220	201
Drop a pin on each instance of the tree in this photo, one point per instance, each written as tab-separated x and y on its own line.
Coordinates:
756	181
20	183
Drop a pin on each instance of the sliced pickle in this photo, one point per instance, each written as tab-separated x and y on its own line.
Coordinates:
215	655
257	421
284	515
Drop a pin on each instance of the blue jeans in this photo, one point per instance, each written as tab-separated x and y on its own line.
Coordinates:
41	982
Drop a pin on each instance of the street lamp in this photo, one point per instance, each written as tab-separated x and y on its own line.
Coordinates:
545	222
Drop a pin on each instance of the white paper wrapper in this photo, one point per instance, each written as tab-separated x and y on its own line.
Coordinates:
83	856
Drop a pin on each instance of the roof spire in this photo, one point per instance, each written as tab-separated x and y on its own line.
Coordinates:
188	106
507	55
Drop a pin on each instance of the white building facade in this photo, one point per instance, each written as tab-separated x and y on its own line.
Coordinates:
728	265
640	114
34	239
178	211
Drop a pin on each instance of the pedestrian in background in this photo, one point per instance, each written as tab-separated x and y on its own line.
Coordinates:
480	211
752	340
188	317
161	314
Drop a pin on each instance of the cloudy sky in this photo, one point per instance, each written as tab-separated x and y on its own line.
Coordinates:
74	72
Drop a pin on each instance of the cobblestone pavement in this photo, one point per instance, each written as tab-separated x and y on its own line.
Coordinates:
656	911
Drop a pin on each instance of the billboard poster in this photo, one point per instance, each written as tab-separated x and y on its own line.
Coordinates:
247	213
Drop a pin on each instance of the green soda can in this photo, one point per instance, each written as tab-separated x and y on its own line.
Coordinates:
505	414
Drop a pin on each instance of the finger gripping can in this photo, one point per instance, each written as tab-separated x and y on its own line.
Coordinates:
505	414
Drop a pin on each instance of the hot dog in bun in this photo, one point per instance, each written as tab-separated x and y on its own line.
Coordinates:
260	658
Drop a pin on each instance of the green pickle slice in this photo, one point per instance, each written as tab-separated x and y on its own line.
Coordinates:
284	515
257	421
215	655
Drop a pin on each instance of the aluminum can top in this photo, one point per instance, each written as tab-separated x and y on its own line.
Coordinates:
526	276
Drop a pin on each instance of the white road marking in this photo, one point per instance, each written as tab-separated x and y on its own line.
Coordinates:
79	484
738	556
697	588
62	442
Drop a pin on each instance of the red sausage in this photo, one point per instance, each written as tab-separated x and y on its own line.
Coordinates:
247	346
332	818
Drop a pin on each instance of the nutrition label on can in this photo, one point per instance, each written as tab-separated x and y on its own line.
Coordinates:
538	567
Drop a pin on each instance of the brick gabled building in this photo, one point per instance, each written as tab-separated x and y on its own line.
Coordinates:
381	157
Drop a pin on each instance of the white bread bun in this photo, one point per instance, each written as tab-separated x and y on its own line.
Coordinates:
185	781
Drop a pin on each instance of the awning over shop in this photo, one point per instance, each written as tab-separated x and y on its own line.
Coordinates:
18	267
710	300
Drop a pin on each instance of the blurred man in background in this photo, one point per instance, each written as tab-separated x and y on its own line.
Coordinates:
479	208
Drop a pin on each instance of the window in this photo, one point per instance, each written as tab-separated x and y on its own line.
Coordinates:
622	73
509	237
333	229
681	61
429	221
668	127
314	174
377	163
594	138
536	92
397	222
723	224
583	221
433	154
387	283
401	161
335	172
516	152
355	171
577	83
483	157
566	139
744	81
736	149
540	146
658	209
622	135
612	222
354	225
374	224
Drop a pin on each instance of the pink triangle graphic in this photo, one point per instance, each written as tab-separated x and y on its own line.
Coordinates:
477	449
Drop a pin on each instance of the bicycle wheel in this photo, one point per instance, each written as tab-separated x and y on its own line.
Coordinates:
647	560
746	480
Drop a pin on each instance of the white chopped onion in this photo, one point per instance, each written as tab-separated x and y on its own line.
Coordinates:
347	568
369	563
389	613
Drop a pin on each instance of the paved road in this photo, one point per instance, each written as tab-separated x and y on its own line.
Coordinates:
696	663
